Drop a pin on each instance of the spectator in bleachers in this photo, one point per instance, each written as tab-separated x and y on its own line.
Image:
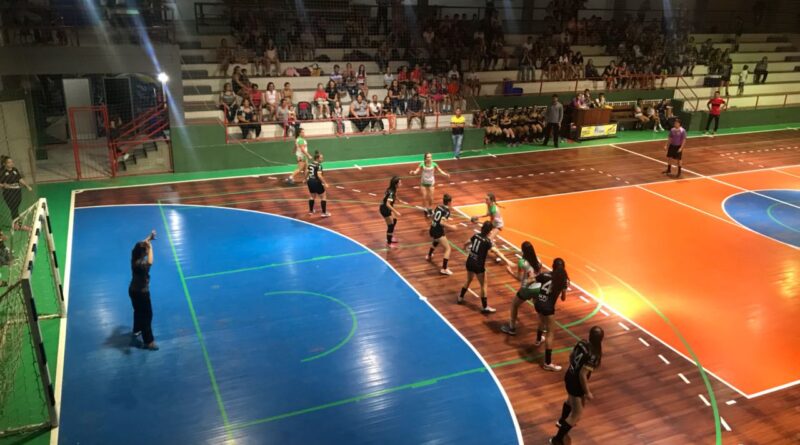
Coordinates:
577	65
282	44
743	80
438	95
526	68
287	93
610	75
247	117
415	111
224	56
760	72
727	72
359	113
473	83
256	97
415	76
423	91
332	92
454	98
238	82
337	116
271	98
388	78
393	93
271	59
587	98
285	115
590	71
321	102
388	112
361	80
653	118
375	109
228	102
337	78
350	82
638	114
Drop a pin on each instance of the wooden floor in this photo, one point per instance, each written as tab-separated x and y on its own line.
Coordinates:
644	394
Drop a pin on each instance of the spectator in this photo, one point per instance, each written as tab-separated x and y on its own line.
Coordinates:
271	59
359	113
388	78
526	70
587	98
415	111
457	124
577	65
333	94
350	82
321	100
453	73
247	118
473	83
288	93
393	93
760	72
743	80
337	116
258	56
638	113
336	76
361	79
453	95
553	116
438	95
270	101
600	102
256	99
224	57
388	111
402	76
415	77
239	83
653	118
375	109
228	102
727	72
286	117
579	103
424	95
282	44
590	71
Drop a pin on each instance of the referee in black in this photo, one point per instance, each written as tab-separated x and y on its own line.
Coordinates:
139	291
10	181
553	117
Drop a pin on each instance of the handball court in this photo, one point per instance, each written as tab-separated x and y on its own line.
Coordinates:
695	281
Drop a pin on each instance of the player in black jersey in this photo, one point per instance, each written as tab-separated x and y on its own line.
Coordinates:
585	358
438	218
554	285
316	185
388	212
478	246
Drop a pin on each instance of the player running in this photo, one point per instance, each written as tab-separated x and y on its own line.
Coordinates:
428	169
585	358
316	185
528	267
438	218
493	213
478	246
301	153
388	212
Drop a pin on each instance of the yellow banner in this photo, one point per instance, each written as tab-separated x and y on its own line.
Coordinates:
596	131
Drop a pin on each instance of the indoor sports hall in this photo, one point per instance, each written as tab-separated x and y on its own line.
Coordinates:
293	286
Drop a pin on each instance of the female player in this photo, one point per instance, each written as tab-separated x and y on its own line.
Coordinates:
388	212
493	213
10	181
554	284
438	218
301	153
428	169
316	185
139	292
585	358
528	267
478	246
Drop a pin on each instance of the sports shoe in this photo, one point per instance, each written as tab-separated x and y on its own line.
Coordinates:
152	346
311	213
508	329
446	272
326	215
428	258
488	310
290	180
539	342
460	300
554	441
392	245
551	367
498	260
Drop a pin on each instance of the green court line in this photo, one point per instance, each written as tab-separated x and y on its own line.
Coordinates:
272	265
353	318
382	392
775	219
586	318
196	322
306	260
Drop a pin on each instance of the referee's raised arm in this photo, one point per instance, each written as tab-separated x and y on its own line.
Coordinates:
139	293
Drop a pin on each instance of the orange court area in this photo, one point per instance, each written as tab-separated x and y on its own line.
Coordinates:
667	257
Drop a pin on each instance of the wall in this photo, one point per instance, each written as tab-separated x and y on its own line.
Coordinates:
696	121
545	99
202	148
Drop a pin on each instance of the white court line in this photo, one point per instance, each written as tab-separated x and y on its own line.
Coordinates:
683	377
710	177
372	194
725	424
664	359
603	311
585	300
644	342
622	325
786	173
730	402
705	401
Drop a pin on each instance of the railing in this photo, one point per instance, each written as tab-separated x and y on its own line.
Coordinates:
693	101
82	36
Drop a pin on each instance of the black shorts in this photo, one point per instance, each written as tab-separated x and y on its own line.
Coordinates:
573	384
315	186
726	78
475	268
385	212
544	308
436	232
673	152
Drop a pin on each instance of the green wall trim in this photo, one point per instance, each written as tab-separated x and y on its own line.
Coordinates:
544	98
735	118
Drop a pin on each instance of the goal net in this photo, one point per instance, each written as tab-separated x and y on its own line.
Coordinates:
30	297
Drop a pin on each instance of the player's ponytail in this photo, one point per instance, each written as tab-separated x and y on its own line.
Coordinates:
596	335
493	199
560	277
393	183
529	255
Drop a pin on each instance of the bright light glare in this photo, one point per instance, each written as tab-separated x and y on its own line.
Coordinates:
163	78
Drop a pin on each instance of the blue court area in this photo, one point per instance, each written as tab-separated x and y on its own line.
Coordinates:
271	331
778	218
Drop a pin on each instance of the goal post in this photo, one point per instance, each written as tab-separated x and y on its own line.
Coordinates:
32	294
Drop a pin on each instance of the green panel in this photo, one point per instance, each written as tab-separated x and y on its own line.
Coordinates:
733	118
544	98
202	148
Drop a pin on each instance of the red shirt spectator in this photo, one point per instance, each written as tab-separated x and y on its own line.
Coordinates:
416	74
320	95
402	76
256	97
715	105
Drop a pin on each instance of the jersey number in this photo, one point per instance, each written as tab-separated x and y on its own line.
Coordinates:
437	217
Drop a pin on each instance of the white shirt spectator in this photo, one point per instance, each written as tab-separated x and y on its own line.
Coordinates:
743	76
388	78
375	108
453	73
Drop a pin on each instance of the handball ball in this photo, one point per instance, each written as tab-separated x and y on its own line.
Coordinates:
474	219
